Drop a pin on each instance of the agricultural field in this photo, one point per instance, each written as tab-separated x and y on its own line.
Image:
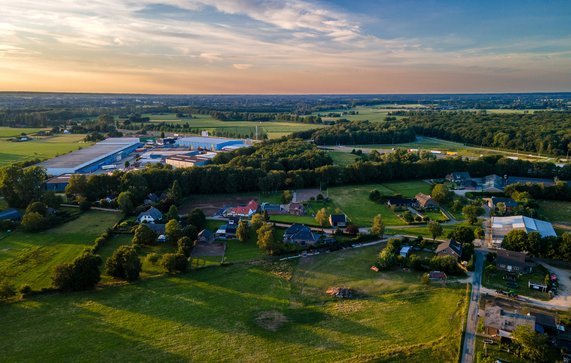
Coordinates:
205	122
39	148
354	201
342	158
6	132
556	212
376	113
29	258
261	312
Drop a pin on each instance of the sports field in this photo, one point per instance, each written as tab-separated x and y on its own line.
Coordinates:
269	312
29	258
39	148
206	122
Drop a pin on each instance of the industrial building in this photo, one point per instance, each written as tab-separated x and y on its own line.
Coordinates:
501	226
188	161
208	143
91	159
57	184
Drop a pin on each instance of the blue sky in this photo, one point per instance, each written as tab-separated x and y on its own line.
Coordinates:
294	46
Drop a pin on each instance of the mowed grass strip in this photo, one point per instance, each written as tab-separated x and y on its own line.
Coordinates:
40	148
29	258
261	313
354	200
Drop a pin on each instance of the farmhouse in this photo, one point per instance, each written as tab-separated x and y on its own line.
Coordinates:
461	179
208	143
338	220
228	230
296	209
499	322
10	214
301	235
501	226
511	261
450	248
425	201
398	202
493	183
150	216
243	211
273	209
508	202
91	159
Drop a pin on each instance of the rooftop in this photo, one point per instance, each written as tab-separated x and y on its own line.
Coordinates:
501	226
206	140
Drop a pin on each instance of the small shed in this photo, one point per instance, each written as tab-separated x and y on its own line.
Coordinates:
405	251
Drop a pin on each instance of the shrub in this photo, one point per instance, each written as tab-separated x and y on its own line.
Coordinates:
84	205
153	258
174	262
124	264
7	290
82	274
34	222
25	290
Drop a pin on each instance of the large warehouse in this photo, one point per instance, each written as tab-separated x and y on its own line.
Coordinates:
501	226
88	160
208	143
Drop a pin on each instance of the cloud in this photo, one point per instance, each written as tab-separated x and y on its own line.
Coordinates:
242	66
211	57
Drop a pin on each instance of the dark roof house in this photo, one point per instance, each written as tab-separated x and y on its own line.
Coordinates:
450	248
509	202
511	261
205	236
493	183
300	234
338	220
401	202
150	216
458	176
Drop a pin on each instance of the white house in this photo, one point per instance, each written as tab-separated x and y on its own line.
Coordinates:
150	216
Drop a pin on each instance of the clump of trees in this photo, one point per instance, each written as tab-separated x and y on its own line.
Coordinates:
82	274
124	264
533	243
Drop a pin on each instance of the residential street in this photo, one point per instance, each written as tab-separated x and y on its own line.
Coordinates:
470	333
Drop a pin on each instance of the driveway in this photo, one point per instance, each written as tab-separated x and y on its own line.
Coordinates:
472	320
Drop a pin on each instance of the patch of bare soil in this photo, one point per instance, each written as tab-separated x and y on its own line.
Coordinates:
271	320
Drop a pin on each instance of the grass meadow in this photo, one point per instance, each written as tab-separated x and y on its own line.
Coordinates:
39	148
558	212
16	131
29	258
263	312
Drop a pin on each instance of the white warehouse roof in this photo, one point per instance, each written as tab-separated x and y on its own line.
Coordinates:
501	226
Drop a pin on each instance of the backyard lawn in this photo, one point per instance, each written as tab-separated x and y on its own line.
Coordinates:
354	200
29	258
266	312
493	279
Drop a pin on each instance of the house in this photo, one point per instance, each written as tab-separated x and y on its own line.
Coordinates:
545	323
425	201
461	179
296	209
301	235
450	248
205	236
11	214
398	202
338	220
229	229
508	202
511	261
273	209
501	226
243	211
499	322
159	229
150	216
437	275
405	251
152	198
493	183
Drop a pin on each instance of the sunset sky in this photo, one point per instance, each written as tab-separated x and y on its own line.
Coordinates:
294	46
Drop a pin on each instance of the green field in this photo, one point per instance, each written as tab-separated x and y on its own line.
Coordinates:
354	200
421	230
254	313
29	258
370	113
16	131
40	148
342	158
555	211
206	122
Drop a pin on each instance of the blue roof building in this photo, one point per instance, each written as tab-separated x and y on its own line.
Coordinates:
10	214
207	143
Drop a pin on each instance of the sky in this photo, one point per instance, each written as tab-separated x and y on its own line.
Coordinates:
285	47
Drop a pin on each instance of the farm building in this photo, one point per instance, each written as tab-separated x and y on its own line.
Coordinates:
88	160
301	235
493	183
398	202
499	322
501	226
508	202
243	211
58	183
425	201
10	214
511	261
187	161
207	143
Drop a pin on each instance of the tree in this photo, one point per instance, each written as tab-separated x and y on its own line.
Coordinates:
7	290
441	194
257	221
435	229
77	185
52	200
175	192
190	231
407	216
185	246
172	214
531	345
37	207
287	196
516	240
20	186
82	274
174	262
124	264
267	239
321	217
462	234
173	230
472	212
565	247
197	219
34	222
378	228
242	231
501	206
143	236
125	202
479	233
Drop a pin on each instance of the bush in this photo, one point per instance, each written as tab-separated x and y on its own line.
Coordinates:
82	274
34	222
7	290
84	205
153	258
174	262
25	290
124	264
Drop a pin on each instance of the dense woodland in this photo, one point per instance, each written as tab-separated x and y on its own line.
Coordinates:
541	132
360	132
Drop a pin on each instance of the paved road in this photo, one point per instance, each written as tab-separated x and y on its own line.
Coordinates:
470	333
